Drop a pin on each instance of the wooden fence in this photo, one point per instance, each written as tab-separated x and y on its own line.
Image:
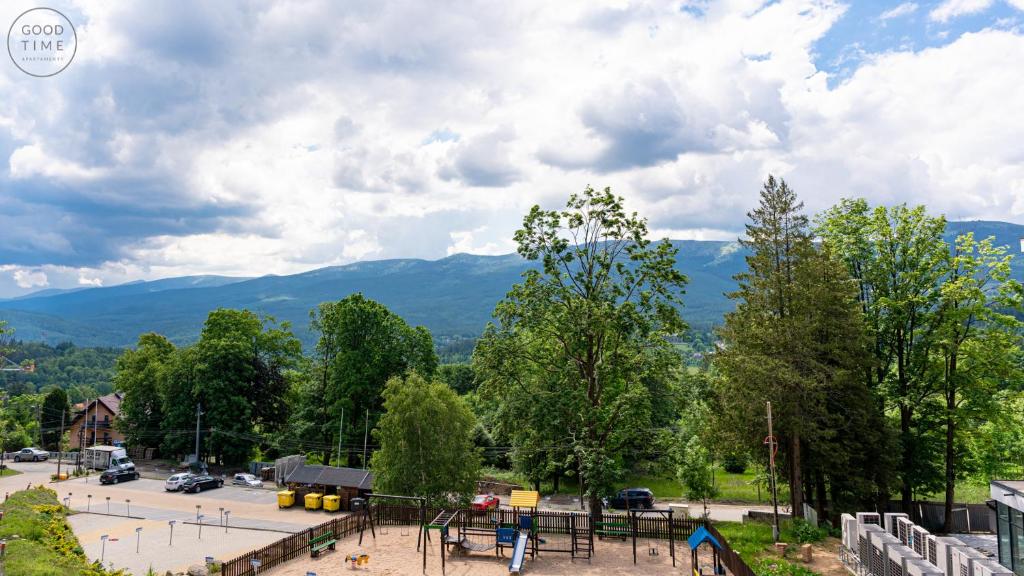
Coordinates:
730	559
650	525
289	547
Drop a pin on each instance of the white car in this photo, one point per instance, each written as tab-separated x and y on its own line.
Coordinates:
30	455
247	480
176	482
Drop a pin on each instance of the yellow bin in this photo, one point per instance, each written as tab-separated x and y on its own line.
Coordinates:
332	503
313	501
285	499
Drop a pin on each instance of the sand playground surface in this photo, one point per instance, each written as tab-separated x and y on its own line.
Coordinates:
395	554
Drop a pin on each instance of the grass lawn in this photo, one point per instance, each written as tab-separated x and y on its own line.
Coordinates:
966	491
45	546
8	472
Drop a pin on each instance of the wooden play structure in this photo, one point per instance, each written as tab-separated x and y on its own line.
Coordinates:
701	537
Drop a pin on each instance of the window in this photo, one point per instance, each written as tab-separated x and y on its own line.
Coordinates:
1003	531
1017	541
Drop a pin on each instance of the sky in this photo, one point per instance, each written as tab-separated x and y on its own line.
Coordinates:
260	137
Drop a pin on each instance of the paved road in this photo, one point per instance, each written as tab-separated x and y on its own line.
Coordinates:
155	508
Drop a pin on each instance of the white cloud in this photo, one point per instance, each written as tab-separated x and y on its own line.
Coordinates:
30	278
282	137
950	9
904	9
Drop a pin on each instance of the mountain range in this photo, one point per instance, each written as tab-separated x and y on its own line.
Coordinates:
453	297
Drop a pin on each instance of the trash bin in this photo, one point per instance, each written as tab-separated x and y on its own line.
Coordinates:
357	504
313	501
285	499
332	503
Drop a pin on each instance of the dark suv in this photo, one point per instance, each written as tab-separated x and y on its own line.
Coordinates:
631	498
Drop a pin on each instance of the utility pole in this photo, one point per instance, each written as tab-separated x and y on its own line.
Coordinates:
39	415
366	436
772	449
199	414
95	419
341	424
60	443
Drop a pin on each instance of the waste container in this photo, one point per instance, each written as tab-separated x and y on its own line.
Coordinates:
313	501
332	503
357	504
285	499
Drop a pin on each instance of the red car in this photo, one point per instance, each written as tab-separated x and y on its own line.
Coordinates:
485	502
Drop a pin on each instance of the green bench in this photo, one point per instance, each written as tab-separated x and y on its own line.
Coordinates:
321	543
612	530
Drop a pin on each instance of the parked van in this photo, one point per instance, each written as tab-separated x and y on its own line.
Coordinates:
107	457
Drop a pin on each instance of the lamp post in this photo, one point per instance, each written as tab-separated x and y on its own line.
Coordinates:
103	551
88	506
171	540
138	538
227	519
108	504
197	512
200	521
221	515
128	503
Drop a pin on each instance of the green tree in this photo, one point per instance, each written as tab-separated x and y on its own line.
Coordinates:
897	257
56	414
592	321
795	339
426	441
140	377
696	472
361	345
459	376
978	341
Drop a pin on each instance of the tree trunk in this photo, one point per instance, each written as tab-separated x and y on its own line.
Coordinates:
594	503
908	457
947	525
796	500
555	481
821	499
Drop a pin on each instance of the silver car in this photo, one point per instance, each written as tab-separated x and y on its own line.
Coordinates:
30	455
247	480
176	482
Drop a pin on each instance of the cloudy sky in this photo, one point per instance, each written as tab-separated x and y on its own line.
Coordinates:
249	138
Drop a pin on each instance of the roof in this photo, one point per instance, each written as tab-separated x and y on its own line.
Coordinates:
102	448
700	536
524	499
331	476
111	401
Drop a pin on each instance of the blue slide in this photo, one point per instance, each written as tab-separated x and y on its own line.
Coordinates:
519	553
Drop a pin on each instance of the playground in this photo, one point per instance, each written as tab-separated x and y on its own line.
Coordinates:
393	553
515	540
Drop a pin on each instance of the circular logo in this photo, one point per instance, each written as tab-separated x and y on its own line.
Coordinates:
42	42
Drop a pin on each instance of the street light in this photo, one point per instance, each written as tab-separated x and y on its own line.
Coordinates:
200	520
103	552
171	524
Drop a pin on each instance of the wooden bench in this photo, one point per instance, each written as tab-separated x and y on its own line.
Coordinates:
321	543
612	530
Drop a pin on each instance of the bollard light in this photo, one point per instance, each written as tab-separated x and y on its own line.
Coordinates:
198	506
108	504
170	541
227	520
221	515
103	552
138	538
128	503
199	519
88	506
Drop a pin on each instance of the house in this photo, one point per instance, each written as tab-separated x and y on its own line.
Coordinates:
345	482
94	425
1009	503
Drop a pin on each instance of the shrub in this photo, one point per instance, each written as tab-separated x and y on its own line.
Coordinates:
735	463
803	532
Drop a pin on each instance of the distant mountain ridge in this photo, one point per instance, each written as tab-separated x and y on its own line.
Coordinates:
453	296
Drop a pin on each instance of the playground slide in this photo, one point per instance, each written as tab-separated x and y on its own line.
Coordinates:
519	553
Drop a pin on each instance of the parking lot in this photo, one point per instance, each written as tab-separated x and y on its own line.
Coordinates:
251	516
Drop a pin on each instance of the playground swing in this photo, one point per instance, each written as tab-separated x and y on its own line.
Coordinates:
405	530
652	546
